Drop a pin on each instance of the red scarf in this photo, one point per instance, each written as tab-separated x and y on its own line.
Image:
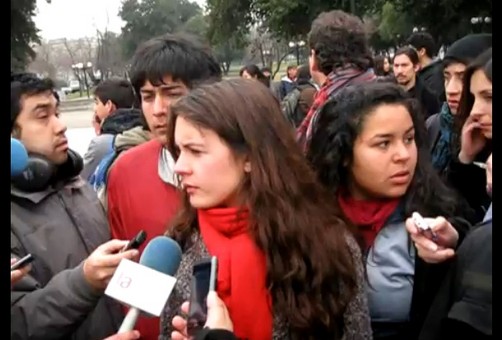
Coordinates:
368	216
241	271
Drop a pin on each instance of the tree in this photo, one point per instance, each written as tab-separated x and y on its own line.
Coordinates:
285	19
109	60
446	20
23	33
149	18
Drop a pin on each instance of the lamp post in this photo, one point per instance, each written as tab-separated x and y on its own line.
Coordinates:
297	44
480	22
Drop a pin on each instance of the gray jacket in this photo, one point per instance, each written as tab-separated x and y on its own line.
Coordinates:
99	147
60	227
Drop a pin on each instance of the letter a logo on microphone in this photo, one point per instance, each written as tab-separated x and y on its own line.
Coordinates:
140	287
124	280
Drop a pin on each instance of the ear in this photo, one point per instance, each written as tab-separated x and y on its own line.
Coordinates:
247	167
421	52
417	67
110	107
313	61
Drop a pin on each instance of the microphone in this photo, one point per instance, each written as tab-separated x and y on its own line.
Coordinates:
163	255
18	157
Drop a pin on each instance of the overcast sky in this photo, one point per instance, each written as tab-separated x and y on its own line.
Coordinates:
78	18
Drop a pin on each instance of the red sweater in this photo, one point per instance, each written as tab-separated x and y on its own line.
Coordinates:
139	199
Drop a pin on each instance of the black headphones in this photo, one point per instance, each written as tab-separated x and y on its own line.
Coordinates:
40	172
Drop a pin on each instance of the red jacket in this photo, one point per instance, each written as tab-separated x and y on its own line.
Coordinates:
139	199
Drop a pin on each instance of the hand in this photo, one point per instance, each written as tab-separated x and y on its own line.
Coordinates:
472	140
17	274
217	317
443	248
101	264
489	175
96	124
130	335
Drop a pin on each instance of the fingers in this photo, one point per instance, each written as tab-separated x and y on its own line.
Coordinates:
112	247
185	307
15	276
180	325
424	243
178	336
13	260
438	256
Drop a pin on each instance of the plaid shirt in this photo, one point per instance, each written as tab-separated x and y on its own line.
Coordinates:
336	80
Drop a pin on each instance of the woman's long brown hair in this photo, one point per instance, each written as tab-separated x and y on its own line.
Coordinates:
310	271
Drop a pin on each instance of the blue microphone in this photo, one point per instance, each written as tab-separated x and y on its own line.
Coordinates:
162	254
18	157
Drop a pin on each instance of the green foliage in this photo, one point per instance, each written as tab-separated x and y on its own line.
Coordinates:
393	23
23	33
150	18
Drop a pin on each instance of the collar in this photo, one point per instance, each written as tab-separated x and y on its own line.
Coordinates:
36	197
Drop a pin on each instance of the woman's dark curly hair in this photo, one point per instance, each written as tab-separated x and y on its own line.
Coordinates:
342	120
339	39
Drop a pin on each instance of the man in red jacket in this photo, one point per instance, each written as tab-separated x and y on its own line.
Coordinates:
142	189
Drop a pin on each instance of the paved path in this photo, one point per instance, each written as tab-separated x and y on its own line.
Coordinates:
77	119
80	131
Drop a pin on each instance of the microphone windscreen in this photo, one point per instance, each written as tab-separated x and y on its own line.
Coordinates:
162	254
18	157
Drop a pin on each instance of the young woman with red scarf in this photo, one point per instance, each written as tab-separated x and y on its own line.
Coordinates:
287	266
368	148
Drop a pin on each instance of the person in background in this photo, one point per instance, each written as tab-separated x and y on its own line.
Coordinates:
431	71
267	72
441	131
56	217
252	71
142	188
297	103
288	82
264	217
339	56
405	67
369	150
113	106
463	306
381	66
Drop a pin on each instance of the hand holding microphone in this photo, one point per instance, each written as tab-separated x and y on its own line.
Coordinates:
100	266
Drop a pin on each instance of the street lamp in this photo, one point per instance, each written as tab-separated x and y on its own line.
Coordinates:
475	21
297	44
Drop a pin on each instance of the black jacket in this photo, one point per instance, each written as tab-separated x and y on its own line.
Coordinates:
427	99
463	306
432	76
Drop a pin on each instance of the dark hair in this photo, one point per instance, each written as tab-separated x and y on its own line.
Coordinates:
303	74
310	270
342	120
378	65
118	91
266	69
339	39
26	84
181	56
410	52
255	72
423	40
482	62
